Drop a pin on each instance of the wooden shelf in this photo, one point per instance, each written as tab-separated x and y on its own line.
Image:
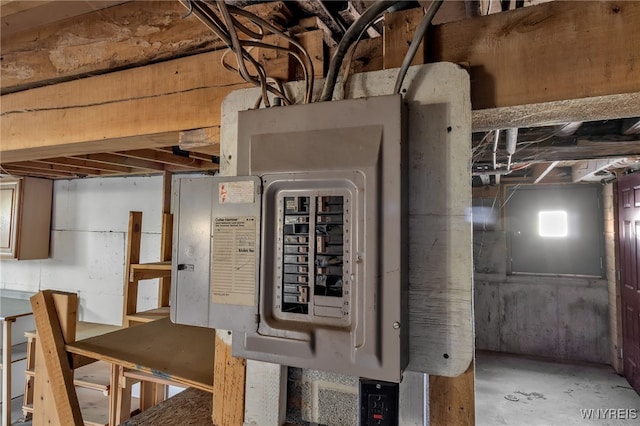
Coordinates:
150	315
170	351
149	271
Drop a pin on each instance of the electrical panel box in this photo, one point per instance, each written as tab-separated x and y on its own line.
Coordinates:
307	260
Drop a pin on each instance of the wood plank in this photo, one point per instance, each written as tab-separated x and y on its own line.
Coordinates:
149	315
399	28
88	147
164	158
452	399
126	35
228	385
19	16
164	287
119	159
558	112
199	137
42	166
52	341
155	266
598	38
112	108
86	164
80	111
16	171
145	348
134	235
148	274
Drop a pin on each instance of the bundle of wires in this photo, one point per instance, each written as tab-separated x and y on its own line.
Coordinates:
226	25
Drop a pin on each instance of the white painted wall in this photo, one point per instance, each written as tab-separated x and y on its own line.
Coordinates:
88	244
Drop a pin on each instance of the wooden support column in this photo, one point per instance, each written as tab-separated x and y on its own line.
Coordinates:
55	399
399	28
452	399
164	286
133	257
229	375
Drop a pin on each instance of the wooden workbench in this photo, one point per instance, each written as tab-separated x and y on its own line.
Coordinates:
169	351
13	305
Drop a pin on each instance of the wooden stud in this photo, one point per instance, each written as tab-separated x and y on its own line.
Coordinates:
52	326
399	28
164	287
133	257
228	385
123	396
452	399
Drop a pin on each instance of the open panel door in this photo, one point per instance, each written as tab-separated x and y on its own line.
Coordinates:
629	240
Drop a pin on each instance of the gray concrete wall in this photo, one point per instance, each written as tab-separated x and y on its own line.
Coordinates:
557	317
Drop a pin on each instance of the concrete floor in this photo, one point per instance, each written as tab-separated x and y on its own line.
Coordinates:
522	391
517	390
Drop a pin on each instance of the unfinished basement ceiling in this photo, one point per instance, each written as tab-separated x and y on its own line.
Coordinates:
67	30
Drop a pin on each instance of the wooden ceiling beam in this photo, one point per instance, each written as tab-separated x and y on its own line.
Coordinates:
122	36
164	158
19	16
555	36
186	93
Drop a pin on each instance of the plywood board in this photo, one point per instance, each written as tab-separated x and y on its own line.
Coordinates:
171	351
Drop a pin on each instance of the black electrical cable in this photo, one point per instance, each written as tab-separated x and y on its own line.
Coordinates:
349	37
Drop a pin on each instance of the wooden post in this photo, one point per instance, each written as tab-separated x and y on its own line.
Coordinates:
452	399
228	383
6	371
399	28
133	256
55	317
164	286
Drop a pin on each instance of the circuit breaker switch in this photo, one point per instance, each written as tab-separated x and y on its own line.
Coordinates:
321	244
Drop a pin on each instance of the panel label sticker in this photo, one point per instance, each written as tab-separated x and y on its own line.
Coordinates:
234	260
236	192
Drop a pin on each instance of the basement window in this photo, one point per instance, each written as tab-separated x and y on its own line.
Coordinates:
553	224
555	230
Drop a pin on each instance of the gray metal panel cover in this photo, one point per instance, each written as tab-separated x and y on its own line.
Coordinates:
331	139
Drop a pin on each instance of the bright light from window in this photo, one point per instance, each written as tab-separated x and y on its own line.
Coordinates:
553	224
